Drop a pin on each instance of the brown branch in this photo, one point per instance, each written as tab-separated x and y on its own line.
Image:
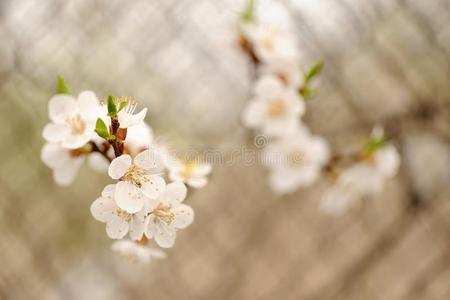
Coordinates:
117	144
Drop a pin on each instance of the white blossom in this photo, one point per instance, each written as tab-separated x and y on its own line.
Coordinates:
118	221
139	138
272	43
65	163
126	116
168	214
295	161
275	109
72	119
193	173
289	73
137	252
138	179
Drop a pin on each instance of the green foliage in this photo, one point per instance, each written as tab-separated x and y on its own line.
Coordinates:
313	71
101	129
248	15
62	86
112	109
122	105
374	144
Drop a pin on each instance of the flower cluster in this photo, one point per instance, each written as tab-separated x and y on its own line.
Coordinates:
294	156
377	162
139	206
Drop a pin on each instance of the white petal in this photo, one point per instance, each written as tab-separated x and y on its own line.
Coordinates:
150	228
175	192
102	209
98	162
157	253
139	138
117	228
137	226
119	166
201	169
88	105
165	236
387	160
198	182
254	114
268	86
154	187
184	216
54	156
109	191
149	160
65	175
128	197
61	107
74	141
55	132
126	120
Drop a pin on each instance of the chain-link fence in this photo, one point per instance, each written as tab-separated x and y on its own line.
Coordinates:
387	62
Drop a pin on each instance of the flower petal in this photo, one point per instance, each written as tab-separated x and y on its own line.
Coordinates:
128	197
184	216
89	105
150	160
61	107
117	228
65	175
198	182
55	133
127	120
119	166
165	236
154	187
54	156
102	209
175	193
98	162
109	191
137	226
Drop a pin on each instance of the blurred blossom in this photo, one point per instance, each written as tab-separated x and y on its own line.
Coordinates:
136	251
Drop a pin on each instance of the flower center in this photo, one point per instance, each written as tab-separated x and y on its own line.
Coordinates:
135	175
163	214
122	214
296	157
187	170
76	124
277	107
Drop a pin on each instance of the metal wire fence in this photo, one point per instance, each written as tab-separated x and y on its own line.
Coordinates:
387	62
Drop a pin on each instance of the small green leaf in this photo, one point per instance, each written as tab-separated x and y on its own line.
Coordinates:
313	71
248	14
374	144
112	109
122	105
101	129
62	86
307	92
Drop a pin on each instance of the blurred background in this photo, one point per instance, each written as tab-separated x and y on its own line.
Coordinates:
387	62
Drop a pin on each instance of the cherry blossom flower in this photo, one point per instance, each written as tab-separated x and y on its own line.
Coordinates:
168	214
118	221
138	179
126	116
139	138
65	163
276	109
271	43
193	173
72	119
295	161
137	252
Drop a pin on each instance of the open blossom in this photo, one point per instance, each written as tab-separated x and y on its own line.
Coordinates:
275	109
72	119
272	44
295	161
65	163
118	221
193	173
126	116
139	138
139	179
168	214
137	251
365	178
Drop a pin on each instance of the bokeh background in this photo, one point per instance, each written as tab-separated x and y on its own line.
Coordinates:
387	62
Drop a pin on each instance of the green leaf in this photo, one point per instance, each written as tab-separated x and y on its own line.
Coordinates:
307	92
374	144
101	129
248	14
313	71
62	86
112	109
122	105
